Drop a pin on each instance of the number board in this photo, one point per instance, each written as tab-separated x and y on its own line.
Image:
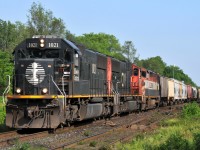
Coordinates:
48	44
53	43
32	43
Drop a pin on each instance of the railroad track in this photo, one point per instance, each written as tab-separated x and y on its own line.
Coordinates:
10	138
120	128
70	136
92	137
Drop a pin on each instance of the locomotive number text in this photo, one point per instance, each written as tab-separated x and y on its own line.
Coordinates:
32	45
53	45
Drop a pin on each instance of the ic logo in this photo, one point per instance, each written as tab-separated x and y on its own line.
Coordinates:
35	73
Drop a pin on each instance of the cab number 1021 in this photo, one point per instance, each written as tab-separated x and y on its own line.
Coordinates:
53	45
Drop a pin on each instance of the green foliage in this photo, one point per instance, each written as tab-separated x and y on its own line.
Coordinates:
103	43
175	142
42	22
21	146
6	68
197	141
155	64
191	110
2	115
10	34
105	147
129	51
93	144
177	73
86	133
177	134
170	122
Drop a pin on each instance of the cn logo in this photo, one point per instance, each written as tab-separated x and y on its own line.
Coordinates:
35	73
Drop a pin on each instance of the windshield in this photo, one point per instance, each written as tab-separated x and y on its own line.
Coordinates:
38	54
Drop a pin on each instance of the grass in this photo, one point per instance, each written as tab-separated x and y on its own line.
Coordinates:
182	133
93	144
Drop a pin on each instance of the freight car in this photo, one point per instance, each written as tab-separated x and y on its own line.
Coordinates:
173	91
56	83
194	93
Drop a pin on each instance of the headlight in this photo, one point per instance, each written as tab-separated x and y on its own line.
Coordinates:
42	45
41	42
18	90
44	90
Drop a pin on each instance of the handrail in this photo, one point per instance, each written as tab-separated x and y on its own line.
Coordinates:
6	90
63	89
59	91
56	86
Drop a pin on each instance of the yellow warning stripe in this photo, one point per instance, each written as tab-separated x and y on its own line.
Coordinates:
31	96
61	96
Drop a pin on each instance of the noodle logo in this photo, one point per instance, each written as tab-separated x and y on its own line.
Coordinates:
35	73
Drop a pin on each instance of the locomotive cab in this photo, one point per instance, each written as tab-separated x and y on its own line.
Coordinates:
41	62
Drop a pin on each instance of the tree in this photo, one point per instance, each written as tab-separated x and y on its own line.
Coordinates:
6	68
177	73
103	43
155	64
129	51
21	32
42	22
70	36
7	35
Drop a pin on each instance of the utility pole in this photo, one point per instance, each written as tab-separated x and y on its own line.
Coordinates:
173	71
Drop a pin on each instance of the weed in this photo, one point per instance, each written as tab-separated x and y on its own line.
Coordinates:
20	146
86	133
93	144
81	143
105	147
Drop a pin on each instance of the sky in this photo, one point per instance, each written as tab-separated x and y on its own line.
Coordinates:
166	28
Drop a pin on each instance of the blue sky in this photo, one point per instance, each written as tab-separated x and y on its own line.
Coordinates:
166	28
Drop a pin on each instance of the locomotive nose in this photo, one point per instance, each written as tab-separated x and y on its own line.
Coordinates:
34	76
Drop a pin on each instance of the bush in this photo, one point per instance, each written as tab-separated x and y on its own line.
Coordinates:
197	141
175	142
191	110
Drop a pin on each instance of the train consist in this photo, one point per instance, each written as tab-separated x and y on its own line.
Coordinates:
56	83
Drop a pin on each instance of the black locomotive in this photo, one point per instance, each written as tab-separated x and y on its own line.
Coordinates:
56	83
